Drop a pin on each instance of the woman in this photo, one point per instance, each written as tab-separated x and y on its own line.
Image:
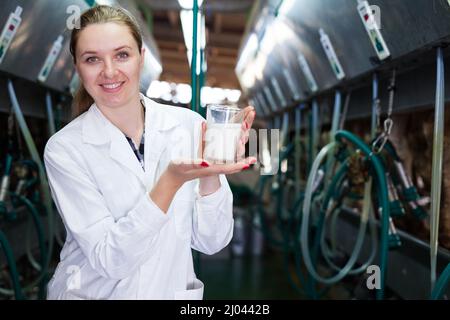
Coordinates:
132	213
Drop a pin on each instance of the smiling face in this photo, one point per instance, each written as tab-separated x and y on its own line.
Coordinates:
109	63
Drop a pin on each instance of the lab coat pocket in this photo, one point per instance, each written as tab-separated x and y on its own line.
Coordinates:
183	218
193	292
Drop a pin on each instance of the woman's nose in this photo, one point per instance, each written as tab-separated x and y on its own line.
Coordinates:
109	70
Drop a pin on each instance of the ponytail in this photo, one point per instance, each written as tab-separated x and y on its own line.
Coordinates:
82	100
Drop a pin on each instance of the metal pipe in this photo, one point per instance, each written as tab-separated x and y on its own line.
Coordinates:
436	174
51	118
194	58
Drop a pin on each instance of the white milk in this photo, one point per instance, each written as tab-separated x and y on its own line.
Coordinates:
221	141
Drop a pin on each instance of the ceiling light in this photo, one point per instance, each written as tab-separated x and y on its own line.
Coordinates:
188	4
285	7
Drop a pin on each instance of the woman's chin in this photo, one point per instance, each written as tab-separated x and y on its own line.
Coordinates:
110	100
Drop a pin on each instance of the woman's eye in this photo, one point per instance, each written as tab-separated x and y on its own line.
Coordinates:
122	55
91	59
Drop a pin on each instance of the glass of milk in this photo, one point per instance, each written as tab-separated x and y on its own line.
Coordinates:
223	131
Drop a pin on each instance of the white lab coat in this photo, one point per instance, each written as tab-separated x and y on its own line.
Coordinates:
119	244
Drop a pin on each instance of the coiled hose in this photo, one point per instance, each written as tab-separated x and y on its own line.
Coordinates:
384	207
305	223
45	191
441	284
18	294
380	181
42	278
332	193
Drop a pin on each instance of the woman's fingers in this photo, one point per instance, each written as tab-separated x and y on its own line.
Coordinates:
228	168
241	165
240	151
189	164
202	140
200	168
249	117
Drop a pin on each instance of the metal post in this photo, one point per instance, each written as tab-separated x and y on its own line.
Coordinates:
194	58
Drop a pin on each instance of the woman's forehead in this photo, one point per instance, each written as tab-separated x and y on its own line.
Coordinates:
104	37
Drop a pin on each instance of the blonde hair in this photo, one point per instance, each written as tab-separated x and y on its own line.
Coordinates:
99	14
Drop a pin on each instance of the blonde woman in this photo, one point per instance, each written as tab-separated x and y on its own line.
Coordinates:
132	213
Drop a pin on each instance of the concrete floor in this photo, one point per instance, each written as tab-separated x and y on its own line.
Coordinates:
245	277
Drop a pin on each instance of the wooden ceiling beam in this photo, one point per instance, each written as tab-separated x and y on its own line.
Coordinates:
223	39
229	61
222	51
174	18
172	45
174	55
218	22
227	40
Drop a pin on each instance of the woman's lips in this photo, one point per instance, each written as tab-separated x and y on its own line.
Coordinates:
112	87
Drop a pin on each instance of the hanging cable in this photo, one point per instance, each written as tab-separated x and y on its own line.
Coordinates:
45	191
436	174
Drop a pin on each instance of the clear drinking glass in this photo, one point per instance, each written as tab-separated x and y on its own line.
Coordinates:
222	133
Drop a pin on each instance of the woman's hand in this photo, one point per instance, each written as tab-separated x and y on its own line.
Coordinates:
179	172
249	117
210	184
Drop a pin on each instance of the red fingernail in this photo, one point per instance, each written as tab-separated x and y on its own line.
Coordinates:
204	164
245	167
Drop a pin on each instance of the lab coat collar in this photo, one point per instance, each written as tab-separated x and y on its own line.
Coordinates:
95	124
98	130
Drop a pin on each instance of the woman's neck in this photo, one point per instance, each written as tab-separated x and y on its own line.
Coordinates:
128	118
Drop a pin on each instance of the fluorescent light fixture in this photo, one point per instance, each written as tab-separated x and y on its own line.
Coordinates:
202	35
219	95
232	95
205	63
277	32
105	2
189	4
186	17
154	90
250	48
284	31
201	43
189	56
269	40
259	65
183	93
175	92
169	94
248	78
159	90
286	6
